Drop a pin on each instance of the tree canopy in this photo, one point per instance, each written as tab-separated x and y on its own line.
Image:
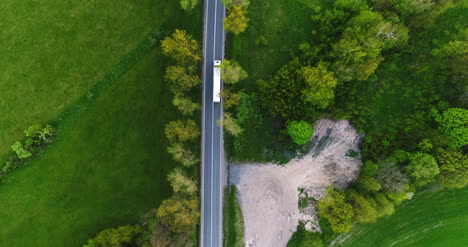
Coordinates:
423	168
181	47
454	123
336	210
320	85
236	21
300	131
179	214
453	169
232	72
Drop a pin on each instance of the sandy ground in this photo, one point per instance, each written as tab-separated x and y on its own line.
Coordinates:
269	195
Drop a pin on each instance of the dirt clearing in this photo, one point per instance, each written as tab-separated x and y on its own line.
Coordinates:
269	193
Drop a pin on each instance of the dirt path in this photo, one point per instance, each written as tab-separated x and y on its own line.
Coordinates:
269	194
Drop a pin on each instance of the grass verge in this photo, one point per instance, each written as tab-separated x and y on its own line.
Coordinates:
233	222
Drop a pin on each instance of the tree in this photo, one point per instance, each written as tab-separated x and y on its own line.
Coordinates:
181	47
232	72
161	236
180	79
391	178
456	54
179	214
236	21
230	3
230	124
300	131
20	151
311	239
369	168
38	135
453	169
230	99
411	7
454	123
425	145
358	52
320	85
384	206
369	184
182	130
188	5
185	105
423	168
282	95
182	155
181	183
363	210
121	236
336	210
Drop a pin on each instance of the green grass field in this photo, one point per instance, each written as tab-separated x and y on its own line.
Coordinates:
435	219
109	164
53	51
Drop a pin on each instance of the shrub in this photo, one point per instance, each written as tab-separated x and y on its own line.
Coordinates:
300	131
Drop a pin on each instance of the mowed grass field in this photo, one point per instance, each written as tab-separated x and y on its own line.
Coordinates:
53	51
436	219
109	164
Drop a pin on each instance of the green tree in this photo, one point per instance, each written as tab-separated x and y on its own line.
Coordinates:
181	47
181	154
369	168
230	98
182	130
180	79
454	123
20	151
232	72
423	168
391	178
363	210
358	52
320	85
188	5
300	131
181	183
161	236
311	239
185	105
229	124
121	236
369	184
236	21
336	210
282	95
411	7
384	206
456	54
425	145
179	214
453	169
230	3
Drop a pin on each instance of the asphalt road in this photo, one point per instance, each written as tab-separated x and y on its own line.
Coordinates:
213	165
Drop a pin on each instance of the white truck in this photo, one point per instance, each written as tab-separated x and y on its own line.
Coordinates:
217	81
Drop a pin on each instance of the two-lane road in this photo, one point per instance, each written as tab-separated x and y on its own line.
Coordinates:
213	165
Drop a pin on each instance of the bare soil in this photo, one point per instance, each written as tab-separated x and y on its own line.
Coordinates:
269	193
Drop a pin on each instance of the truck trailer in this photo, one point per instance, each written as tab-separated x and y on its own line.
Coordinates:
217	81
